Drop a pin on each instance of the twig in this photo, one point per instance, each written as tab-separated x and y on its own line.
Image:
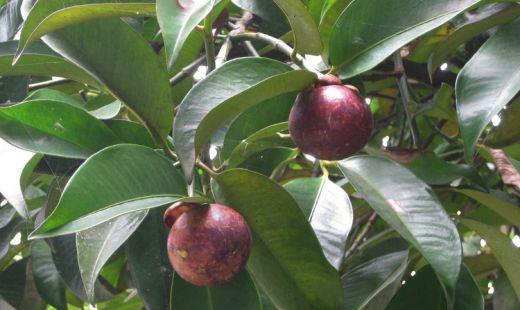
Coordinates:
204	167
364	232
49	83
251	49
405	96
187	71
208	45
223	53
238	27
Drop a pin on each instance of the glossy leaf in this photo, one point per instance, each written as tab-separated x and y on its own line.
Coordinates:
272	111
13	163
122	173
41	61
261	140
414	295
328	208
234	87
76	14
12	283
408	205
97	244
177	20
7	234
55	95
65	258
306	35
468	295
147	93
7	213
131	132
497	14
48	282
330	16
148	261
362	283
358	44
286	260
488	81
501	246
508	132
54	128
501	205
239	293
269	161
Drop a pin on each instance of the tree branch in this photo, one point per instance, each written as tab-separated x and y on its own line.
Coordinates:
187	71
364	232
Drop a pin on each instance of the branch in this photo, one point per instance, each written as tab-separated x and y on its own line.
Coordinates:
208	45
49	83
187	71
405	96
362	234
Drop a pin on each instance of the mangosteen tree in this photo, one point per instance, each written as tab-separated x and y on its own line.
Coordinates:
259	154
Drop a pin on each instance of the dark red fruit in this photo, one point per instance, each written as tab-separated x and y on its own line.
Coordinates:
330	121
208	244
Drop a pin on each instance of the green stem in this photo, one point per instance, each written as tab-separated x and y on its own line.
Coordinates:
209	46
405	97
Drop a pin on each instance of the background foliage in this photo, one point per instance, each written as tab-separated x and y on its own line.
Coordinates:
112	110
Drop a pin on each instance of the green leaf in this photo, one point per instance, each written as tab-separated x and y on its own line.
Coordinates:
364	282
13	163
358	44
501	246
234	87
420	292
271	111
7	234
130	132
508	132
55	95
54	128
501	205
40	60
286	260
261	140
269	160
65	258
330	16
468	295
504	297
7	213
488	81
10	19
306	35
239	293
134	76
48	282
97	244
496	14
177	20
408	205
148	261
12	283
117	174
328	208
68	16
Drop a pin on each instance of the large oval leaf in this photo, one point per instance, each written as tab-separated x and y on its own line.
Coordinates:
307	38
13	163
328	208
496	14
365	281
117	174
286	259
76	14
410	207
488	81
41	61
368	31
505	252
223	94
124	54
46	277
239	293
97	244
148	261
468	295
54	128
177	20
269	112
